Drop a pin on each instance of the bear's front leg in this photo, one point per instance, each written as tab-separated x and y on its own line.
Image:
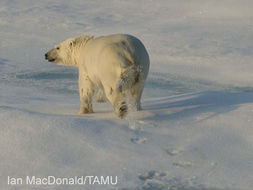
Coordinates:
86	91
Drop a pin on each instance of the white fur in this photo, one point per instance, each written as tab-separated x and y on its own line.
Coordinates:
117	65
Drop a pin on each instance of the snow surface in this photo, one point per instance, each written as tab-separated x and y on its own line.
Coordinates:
195	131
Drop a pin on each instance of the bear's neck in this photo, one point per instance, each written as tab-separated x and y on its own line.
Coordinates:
78	47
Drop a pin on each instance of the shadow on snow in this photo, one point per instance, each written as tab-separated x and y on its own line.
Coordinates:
188	105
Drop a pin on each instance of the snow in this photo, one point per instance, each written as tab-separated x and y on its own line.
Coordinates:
195	131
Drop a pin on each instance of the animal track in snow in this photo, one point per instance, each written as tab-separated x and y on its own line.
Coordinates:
151	174
173	151
182	164
138	140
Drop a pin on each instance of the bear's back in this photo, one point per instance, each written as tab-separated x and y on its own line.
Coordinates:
124	45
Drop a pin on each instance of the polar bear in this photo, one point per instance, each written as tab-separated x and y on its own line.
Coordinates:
117	65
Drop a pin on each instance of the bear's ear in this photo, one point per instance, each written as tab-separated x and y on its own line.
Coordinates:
72	43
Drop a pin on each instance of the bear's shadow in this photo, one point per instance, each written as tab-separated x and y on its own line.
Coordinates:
215	102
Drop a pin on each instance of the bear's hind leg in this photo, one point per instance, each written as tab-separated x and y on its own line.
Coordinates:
100	97
117	99
135	96
120	108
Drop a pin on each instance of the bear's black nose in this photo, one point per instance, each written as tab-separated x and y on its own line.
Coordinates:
46	56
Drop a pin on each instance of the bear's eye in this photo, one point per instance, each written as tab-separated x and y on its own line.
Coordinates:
57	48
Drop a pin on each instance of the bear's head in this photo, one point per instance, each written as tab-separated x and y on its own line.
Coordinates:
67	52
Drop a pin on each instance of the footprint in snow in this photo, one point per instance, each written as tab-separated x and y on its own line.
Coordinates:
173	151
182	164
138	140
151	174
153	180
158	180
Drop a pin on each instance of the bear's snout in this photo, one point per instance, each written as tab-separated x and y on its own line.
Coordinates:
46	56
50	56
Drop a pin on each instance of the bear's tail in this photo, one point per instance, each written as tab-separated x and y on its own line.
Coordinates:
128	78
